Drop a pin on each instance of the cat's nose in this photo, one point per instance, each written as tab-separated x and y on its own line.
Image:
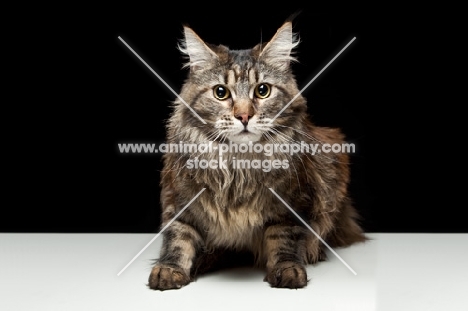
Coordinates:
243	117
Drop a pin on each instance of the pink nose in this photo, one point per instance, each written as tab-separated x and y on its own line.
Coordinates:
243	117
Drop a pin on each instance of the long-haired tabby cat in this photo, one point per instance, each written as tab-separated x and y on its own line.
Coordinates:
238	93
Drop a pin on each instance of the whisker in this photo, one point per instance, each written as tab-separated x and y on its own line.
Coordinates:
291	160
291	140
302	132
332	159
170	138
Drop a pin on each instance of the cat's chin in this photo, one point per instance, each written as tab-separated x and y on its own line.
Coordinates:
245	137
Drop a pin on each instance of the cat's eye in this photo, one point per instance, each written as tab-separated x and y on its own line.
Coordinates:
262	90
221	92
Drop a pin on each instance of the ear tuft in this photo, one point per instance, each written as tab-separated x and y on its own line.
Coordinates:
279	51
199	54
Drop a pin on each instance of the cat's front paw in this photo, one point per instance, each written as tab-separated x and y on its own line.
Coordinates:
287	275
165	277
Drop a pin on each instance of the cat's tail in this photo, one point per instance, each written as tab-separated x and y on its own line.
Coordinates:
347	230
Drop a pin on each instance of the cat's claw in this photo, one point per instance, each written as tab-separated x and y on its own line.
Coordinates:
164	277
287	275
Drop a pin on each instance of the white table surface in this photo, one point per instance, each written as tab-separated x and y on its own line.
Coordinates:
79	272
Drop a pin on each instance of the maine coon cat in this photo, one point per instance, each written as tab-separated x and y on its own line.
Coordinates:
238	93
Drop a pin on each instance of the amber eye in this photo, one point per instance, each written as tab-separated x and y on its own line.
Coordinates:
262	90
221	92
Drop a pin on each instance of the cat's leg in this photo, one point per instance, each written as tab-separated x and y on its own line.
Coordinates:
181	244
284	249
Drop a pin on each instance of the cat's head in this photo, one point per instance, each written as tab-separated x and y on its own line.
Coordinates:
242	94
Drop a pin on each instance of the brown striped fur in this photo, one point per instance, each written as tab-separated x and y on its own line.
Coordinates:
237	211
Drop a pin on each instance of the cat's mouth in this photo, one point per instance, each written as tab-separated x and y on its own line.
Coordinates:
246	131
244	136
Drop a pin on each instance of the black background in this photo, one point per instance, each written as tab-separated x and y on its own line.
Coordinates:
82	92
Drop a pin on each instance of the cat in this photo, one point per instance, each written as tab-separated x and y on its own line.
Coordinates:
238	93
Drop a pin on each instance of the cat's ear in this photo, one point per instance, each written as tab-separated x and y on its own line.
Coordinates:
279	51
199	54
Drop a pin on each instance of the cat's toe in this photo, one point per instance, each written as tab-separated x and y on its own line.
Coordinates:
165	277
287	275
322	256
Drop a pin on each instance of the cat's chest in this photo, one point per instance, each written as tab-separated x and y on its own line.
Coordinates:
237	227
237	204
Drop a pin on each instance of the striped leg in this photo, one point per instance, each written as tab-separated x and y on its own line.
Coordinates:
285	250
180	246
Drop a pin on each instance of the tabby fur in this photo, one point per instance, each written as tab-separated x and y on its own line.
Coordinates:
237	211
